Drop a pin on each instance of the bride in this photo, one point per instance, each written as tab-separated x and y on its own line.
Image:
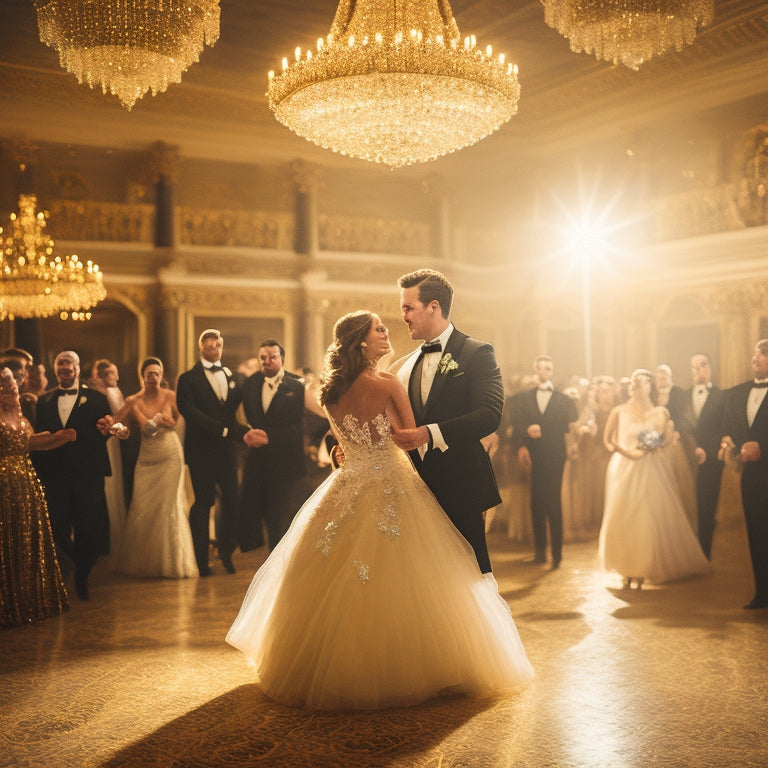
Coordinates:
645	532
373	599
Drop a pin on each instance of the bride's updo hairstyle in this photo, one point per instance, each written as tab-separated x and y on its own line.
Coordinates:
345	359
654	393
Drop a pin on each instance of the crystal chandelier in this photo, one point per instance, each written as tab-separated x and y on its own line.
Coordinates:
394	83
34	282
628	31
128	47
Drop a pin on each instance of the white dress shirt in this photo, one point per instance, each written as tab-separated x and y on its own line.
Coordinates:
269	388
217	379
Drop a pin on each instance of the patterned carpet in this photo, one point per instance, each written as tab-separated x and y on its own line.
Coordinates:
141	676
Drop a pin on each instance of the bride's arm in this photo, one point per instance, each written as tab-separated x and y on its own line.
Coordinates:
400	413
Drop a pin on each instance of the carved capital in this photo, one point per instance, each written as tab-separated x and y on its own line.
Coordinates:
305	176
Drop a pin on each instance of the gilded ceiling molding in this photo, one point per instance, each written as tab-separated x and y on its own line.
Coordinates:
22	153
251	302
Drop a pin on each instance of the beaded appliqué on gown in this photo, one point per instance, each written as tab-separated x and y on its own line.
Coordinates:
368	478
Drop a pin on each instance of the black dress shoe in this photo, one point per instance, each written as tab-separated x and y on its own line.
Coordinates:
205	571
756	603
555	565
81	587
538	560
226	561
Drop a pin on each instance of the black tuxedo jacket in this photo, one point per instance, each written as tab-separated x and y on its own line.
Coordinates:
283	457
736	425
85	461
549	449
206	417
466	403
706	431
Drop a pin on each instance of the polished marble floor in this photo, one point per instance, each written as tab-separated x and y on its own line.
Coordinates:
141	676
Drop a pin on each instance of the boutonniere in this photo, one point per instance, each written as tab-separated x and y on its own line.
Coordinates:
232	384
227	372
446	364
82	399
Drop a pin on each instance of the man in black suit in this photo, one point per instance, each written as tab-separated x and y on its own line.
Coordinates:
73	474
540	420
745	430
701	430
273	479
208	398
457	395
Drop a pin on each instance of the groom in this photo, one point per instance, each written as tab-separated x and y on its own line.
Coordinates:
457	396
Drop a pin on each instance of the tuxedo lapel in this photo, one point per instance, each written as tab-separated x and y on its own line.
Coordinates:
453	348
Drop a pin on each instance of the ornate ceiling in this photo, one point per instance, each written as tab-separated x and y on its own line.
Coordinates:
571	104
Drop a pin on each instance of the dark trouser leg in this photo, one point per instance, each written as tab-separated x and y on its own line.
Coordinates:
555	518
250	521
539	512
707	493
226	522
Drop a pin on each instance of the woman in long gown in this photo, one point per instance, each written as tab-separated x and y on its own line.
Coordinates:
31	587
156	539
645	533
373	599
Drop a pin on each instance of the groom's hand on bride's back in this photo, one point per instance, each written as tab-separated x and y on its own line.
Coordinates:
411	438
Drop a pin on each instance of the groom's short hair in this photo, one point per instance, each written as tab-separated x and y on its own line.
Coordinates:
433	286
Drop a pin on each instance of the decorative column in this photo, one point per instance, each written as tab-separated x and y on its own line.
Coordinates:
436	187
164	161
306	244
163	167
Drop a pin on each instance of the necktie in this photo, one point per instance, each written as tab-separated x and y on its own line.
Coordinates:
67	392
431	346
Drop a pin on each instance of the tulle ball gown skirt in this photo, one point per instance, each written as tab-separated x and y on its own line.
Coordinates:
373	599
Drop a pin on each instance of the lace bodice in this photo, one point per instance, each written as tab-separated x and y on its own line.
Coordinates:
370	481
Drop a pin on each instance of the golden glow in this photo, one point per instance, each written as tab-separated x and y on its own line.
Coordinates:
393	84
128	47
628	31
34	282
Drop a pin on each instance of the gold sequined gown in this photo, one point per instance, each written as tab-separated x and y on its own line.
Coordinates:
31	587
372	598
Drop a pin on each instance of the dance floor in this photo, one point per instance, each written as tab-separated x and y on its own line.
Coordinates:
141	676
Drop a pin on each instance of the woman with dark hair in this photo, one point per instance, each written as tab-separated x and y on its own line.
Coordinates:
373	598
645	534
156	540
31	587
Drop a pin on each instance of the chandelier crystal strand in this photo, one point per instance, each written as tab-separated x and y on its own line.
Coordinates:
34	282
628	31
128	47
394	83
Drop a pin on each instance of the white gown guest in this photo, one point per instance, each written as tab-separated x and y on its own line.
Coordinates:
645	534
157	539
373	598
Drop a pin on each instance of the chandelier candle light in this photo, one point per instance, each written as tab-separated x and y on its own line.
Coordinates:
34	282
128	47
394	83
628	31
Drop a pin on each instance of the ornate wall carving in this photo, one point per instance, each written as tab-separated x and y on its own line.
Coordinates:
364	235
252	229
88	220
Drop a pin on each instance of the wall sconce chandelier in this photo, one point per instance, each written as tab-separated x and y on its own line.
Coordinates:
394	83
34	282
628	31
128	47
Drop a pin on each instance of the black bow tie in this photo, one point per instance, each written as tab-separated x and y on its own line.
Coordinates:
215	367
545	387
760	384
67	392
432	346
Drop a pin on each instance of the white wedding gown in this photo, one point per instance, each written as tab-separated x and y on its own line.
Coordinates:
156	539
645	531
373	598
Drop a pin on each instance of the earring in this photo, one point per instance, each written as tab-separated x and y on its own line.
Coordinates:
363	345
